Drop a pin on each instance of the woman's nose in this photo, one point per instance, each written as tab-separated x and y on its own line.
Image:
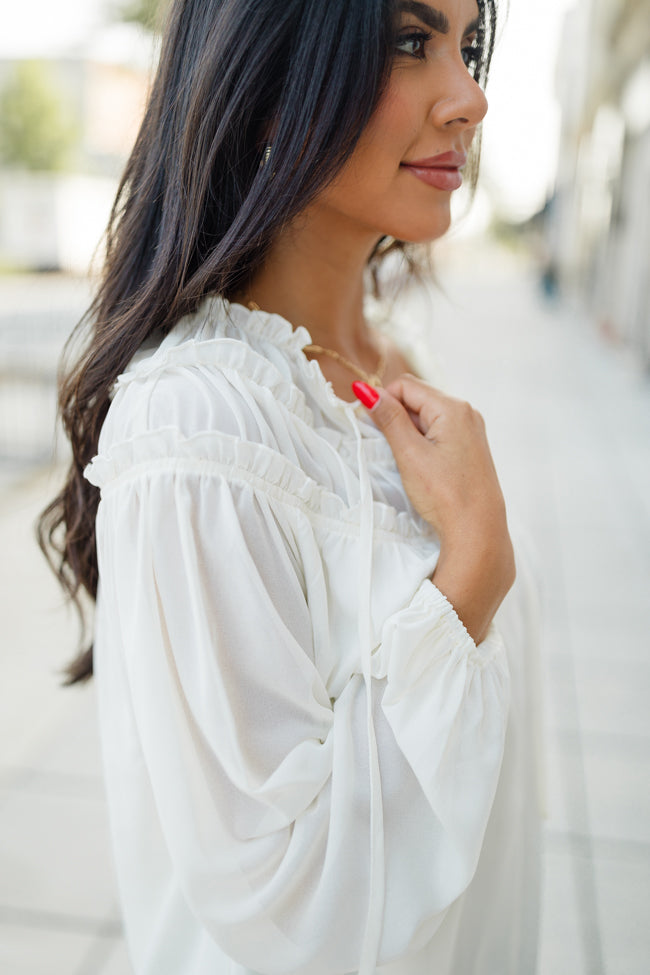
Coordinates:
462	100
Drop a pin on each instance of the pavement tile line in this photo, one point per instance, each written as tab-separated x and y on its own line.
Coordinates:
53	921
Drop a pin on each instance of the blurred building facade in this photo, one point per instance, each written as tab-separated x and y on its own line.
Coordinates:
599	221
53	216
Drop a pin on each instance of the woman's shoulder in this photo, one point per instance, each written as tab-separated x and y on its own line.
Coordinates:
220	388
212	372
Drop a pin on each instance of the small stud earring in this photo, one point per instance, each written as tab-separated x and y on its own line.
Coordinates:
266	155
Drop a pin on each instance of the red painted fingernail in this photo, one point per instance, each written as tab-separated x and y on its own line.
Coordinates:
367	394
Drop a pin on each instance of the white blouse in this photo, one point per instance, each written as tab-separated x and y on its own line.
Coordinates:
310	766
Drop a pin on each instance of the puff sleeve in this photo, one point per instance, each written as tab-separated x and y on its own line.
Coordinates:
259	778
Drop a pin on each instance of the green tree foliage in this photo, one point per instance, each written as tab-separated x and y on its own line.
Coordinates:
37	130
147	13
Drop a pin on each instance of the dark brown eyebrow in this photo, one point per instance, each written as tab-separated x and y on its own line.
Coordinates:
435	19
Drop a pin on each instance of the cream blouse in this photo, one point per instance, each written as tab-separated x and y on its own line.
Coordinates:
310	766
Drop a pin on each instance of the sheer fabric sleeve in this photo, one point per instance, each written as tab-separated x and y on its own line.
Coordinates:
260	780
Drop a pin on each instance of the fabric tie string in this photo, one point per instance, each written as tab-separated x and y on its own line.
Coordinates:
374	921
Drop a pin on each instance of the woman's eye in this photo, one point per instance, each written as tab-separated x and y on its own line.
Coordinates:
472	54
412	44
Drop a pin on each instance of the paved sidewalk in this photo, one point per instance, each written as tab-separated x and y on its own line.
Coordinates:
569	421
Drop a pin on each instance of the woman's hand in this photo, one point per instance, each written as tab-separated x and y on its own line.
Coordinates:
443	457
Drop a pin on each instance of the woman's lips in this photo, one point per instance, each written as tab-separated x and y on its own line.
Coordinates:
441	171
442	179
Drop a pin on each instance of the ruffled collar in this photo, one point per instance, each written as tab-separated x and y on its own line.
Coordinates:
277	330
199	337
216	319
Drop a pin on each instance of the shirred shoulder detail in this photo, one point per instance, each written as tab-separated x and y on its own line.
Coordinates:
230	357
223	455
219	333
227	336
224	354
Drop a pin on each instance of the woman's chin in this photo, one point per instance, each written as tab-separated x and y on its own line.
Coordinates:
426	232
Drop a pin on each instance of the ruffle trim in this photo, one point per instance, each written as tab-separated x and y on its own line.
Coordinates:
227	354
231	355
218	334
212	453
217	326
431	613
273	328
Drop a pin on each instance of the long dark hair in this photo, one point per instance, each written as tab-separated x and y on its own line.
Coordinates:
196	214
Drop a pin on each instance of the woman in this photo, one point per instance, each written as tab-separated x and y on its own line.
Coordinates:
314	729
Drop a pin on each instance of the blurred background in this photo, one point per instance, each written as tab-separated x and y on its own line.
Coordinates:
541	317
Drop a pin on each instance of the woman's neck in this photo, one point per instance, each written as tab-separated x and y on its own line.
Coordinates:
314	277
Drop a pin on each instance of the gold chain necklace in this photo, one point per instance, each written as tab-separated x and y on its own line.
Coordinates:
372	378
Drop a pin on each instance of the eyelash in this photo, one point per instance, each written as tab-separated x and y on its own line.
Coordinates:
472	53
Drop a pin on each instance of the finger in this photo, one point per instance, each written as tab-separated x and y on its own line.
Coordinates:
423	402
392	418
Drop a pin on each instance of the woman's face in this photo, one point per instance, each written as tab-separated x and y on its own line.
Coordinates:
431	107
